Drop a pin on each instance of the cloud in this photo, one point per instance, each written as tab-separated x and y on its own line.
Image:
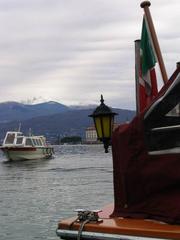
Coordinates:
72	51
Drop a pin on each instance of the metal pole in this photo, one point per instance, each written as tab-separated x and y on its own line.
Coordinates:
137	71
146	5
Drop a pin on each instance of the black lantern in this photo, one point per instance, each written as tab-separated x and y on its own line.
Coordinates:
104	121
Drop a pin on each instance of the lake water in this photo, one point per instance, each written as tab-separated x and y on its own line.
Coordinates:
35	195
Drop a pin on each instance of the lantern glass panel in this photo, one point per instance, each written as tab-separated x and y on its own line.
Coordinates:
98	125
106	121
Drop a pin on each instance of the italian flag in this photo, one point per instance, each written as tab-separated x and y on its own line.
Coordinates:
147	75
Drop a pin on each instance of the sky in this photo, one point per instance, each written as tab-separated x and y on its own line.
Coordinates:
72	51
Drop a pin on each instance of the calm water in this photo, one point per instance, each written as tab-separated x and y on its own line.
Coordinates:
35	195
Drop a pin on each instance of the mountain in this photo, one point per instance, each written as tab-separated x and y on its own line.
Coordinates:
11	111
67	123
80	107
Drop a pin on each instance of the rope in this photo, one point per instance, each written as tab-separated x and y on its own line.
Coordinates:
81	228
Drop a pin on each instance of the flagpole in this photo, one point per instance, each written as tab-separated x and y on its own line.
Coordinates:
137	71
146	5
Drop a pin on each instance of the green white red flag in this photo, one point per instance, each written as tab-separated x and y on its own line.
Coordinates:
146	76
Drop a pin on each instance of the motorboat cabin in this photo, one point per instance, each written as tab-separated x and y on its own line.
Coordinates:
18	139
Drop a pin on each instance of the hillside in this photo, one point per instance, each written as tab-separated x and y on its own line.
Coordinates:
69	123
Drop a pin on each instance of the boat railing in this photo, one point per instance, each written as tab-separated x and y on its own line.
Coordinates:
163	140
166	128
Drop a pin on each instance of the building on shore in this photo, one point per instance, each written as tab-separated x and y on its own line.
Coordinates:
91	135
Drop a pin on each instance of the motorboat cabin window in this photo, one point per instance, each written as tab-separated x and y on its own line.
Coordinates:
174	112
34	142
28	142
10	138
43	141
39	142
162	122
19	140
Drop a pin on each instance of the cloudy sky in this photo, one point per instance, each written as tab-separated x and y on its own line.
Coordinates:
72	51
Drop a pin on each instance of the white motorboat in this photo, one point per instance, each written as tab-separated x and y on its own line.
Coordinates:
16	146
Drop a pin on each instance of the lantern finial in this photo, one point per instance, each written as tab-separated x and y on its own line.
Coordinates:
102	100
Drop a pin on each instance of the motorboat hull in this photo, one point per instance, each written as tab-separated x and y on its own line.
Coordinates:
117	228
27	153
72	235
